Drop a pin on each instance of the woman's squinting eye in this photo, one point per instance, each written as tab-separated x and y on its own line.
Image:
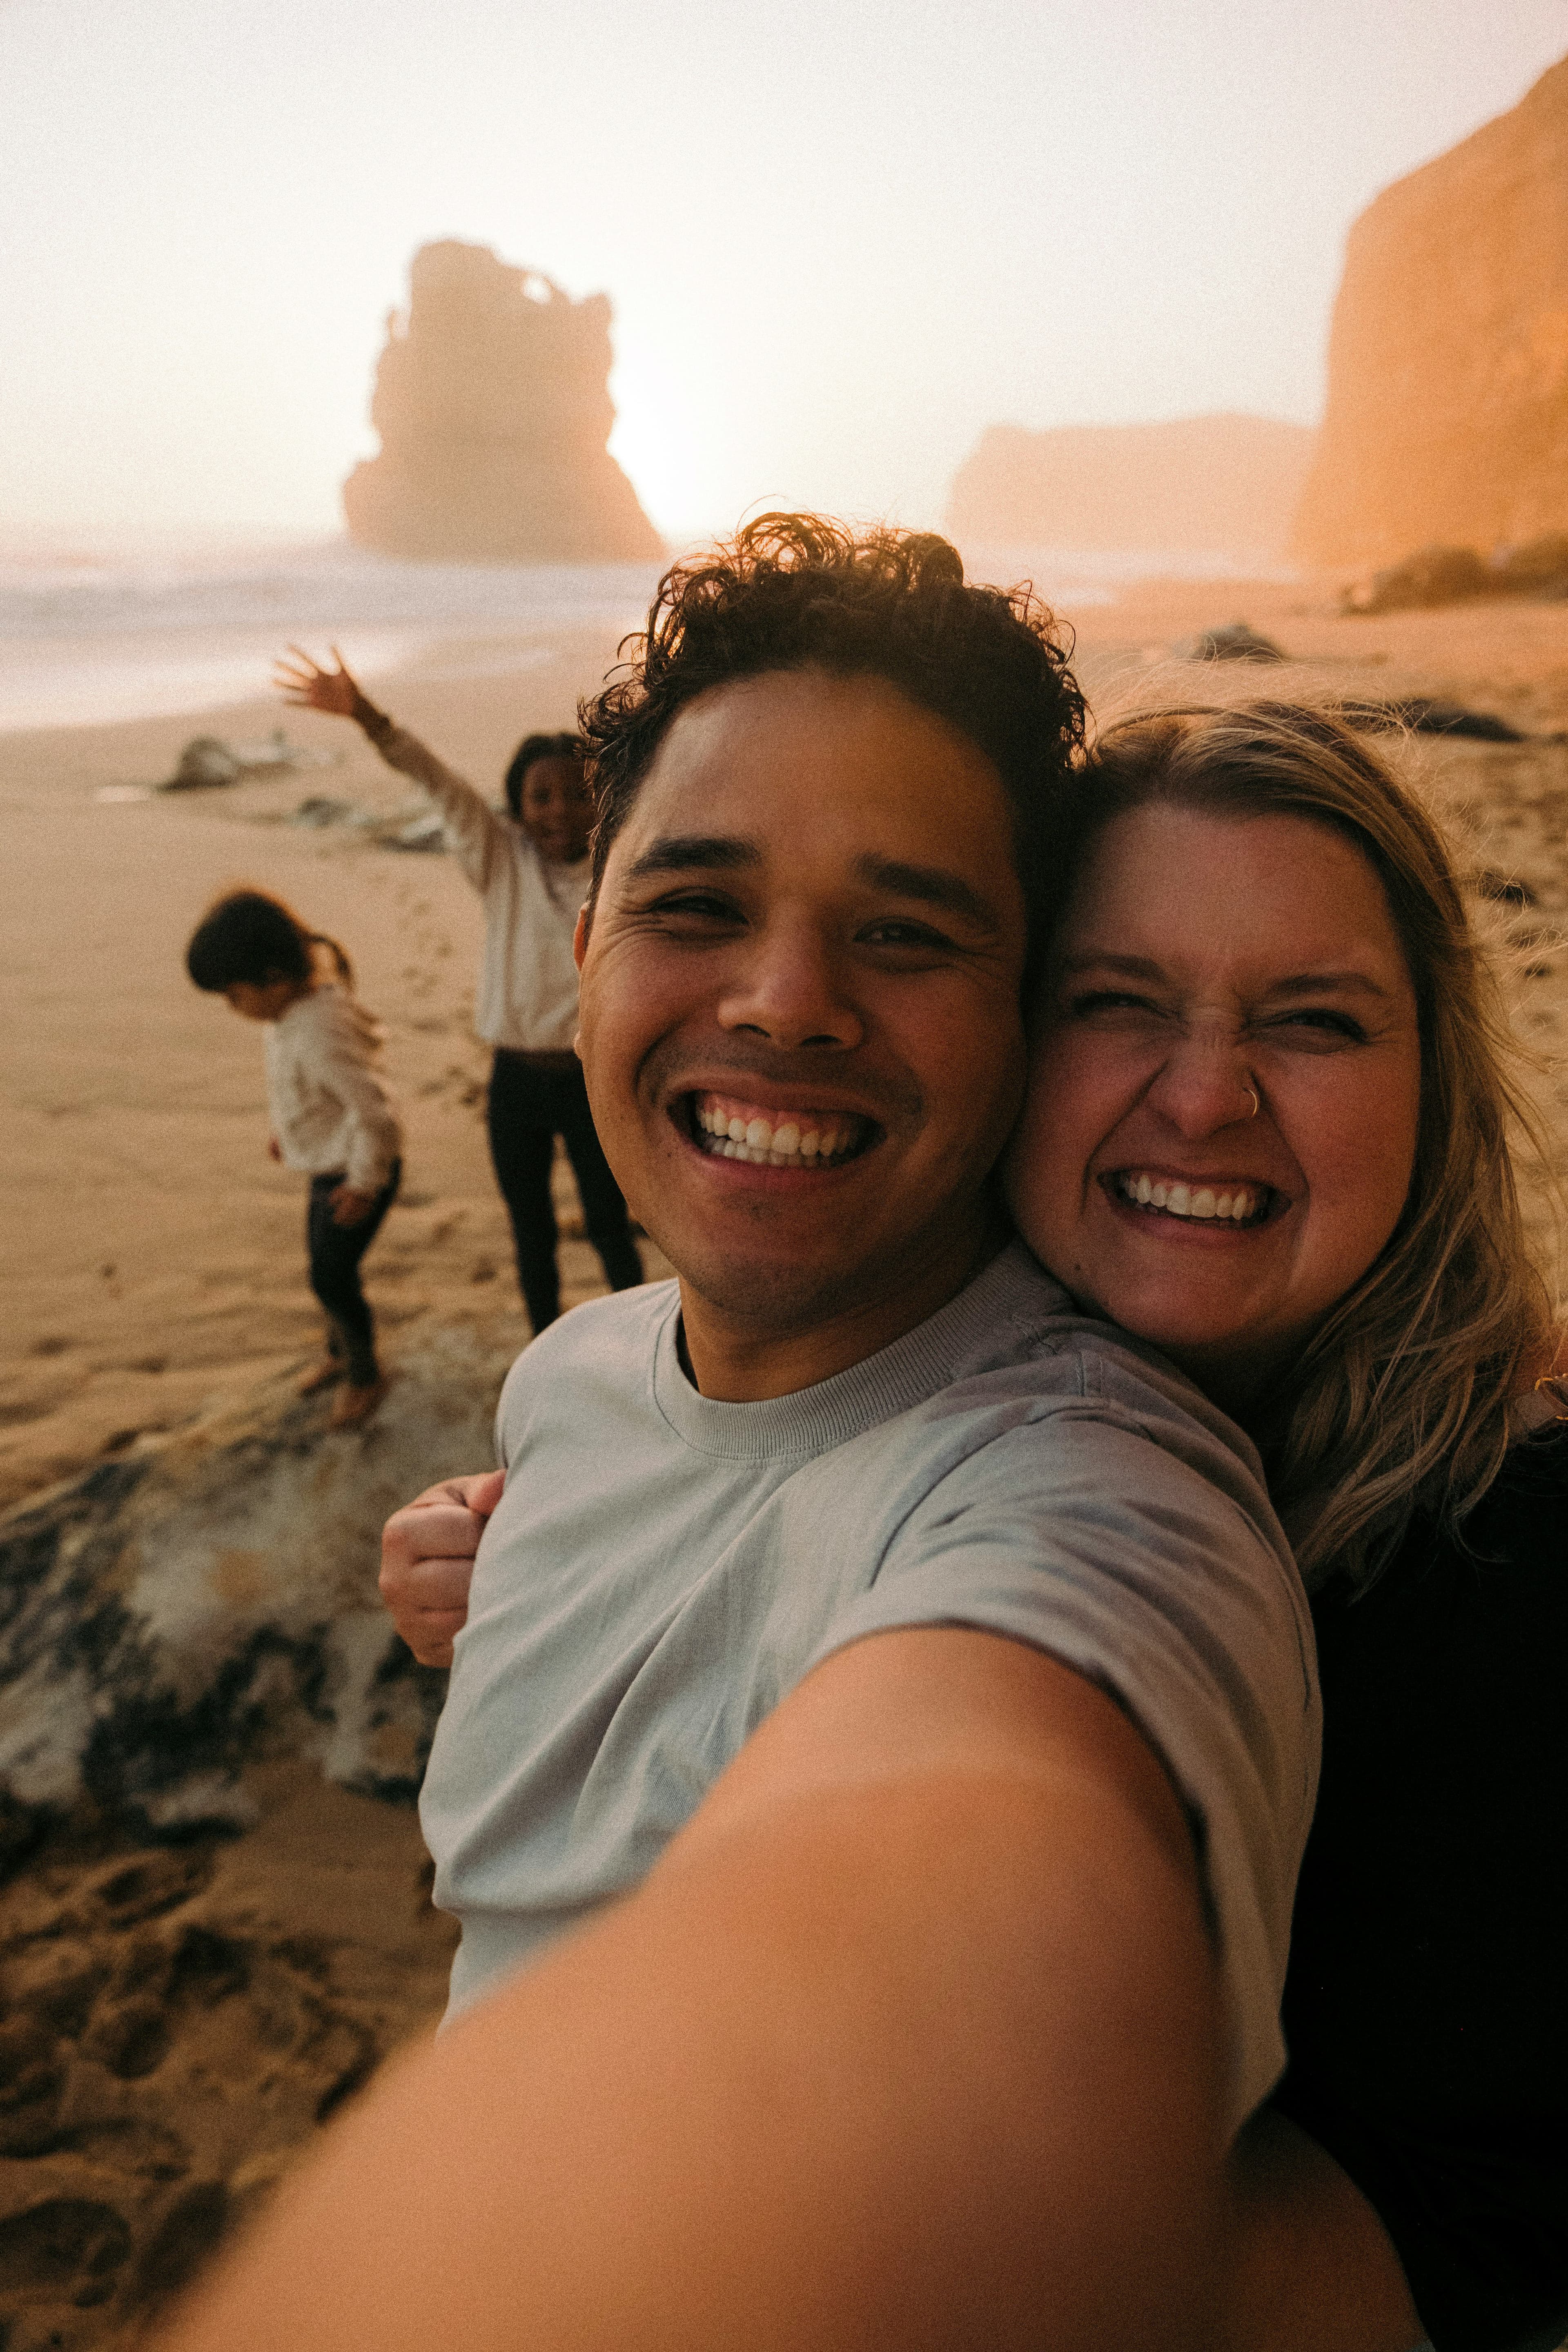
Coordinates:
1322	1023
1087	1003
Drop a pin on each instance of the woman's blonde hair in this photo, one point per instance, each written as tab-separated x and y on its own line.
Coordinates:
1400	1401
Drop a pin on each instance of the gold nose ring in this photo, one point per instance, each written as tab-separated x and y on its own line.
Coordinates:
1252	1091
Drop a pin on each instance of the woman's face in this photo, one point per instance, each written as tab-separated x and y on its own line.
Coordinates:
1205	960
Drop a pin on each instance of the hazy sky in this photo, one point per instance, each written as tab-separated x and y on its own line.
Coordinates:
841	235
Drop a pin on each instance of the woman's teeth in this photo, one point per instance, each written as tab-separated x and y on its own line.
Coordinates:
801	1139
1239	1203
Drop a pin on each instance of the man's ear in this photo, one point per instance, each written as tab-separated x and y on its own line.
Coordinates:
580	935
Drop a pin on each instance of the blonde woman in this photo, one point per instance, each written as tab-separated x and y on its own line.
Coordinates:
1268	1130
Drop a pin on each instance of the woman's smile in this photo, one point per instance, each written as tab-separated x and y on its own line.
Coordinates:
1234	1202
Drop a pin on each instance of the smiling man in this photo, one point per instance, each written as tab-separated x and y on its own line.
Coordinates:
898	1682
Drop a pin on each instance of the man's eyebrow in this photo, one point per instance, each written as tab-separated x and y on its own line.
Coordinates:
930	886
1300	984
682	853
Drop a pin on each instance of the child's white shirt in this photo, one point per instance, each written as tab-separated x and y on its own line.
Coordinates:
328	1105
528	982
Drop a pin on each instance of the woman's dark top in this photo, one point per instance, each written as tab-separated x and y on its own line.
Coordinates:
1427	2005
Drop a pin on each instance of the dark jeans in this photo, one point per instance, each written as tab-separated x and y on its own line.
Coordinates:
335	1253
529	1107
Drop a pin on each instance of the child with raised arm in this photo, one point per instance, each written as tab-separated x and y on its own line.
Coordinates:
331	1114
531	869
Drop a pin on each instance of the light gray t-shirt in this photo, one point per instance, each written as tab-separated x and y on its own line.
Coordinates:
662	1569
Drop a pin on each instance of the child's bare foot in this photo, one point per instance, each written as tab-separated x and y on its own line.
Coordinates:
320	1375
355	1404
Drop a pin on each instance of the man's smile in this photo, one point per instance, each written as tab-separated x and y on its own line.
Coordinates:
807	1138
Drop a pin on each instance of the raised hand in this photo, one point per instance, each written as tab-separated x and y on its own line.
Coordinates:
305	683
427	1561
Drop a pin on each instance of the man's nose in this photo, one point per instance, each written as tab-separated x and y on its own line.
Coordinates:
1205	1085
791	989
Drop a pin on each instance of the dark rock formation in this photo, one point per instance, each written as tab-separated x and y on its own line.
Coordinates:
1448	359
207	761
1231	641
492	404
1419	714
1451	576
1228	484
173	1614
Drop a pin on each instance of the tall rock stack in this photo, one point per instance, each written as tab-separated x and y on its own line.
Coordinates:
493	407
1447	408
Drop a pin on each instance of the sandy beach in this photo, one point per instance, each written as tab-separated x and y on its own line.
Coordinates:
152	1263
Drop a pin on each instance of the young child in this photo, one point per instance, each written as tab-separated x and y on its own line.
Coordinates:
530	869
332	1115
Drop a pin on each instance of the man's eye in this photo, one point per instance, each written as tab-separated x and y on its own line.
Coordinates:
705	905
900	933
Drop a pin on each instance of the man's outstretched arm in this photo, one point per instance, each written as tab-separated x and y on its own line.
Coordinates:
912	2039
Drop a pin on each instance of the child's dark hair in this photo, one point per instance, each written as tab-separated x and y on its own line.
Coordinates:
254	938
797	591
564	746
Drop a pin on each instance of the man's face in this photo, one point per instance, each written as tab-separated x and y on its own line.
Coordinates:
800	1016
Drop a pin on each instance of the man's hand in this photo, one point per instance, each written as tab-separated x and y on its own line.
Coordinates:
348	1207
311	688
427	1560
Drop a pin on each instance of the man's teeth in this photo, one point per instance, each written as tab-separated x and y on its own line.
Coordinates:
801	1140
1237	1203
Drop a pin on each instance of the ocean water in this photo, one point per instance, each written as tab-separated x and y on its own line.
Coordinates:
95	635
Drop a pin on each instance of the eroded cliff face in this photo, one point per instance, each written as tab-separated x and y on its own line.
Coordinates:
1227	483
492	403
1447	419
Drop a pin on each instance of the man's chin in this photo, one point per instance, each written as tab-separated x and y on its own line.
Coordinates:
772	1299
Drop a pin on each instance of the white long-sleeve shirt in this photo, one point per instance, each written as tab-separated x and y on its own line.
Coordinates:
329	1106
528	981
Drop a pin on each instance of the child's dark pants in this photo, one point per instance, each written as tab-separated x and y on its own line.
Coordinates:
532	1099
335	1253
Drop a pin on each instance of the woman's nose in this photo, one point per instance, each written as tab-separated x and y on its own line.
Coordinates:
790	990
1205	1085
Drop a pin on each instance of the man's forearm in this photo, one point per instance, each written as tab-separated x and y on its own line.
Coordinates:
929	2065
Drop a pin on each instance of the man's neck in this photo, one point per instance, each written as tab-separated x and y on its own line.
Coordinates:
735	1359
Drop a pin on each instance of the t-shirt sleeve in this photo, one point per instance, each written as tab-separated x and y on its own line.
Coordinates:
1146	1570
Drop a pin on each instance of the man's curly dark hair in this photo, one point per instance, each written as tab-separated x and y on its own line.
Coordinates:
799	590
